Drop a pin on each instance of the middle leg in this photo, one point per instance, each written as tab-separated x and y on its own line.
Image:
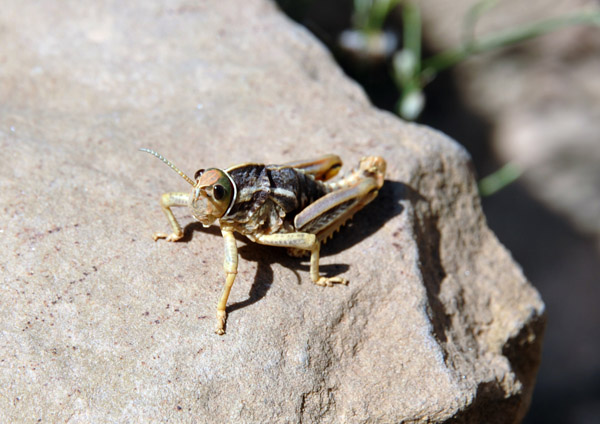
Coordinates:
304	241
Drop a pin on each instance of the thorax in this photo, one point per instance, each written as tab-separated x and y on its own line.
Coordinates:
269	197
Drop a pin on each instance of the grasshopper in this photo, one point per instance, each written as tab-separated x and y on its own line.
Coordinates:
292	205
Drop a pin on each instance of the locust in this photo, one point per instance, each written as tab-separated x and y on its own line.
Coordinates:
297	205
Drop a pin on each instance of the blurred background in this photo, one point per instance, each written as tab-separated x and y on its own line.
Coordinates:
518	84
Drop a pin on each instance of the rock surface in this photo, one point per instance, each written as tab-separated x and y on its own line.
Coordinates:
99	323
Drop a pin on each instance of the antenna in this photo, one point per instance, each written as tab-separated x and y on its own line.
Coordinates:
168	162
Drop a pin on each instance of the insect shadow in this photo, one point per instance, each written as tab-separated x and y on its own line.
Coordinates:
364	224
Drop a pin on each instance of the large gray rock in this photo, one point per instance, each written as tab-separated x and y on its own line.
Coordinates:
99	323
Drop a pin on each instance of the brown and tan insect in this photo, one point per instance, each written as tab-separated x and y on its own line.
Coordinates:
292	205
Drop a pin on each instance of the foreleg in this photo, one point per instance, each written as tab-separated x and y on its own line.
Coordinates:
167	201
230	264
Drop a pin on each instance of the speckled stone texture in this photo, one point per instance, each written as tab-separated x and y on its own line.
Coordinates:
101	324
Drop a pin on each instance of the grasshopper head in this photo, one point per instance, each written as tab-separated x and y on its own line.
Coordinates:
212	195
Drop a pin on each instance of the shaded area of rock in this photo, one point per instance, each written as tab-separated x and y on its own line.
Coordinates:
99	323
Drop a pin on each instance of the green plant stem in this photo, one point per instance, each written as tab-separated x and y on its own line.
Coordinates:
379	11
411	19
370	15
499	179
472	16
453	56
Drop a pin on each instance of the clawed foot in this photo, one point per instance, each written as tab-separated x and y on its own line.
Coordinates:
168	237
330	281
220	330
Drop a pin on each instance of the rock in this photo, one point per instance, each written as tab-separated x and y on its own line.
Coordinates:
100	323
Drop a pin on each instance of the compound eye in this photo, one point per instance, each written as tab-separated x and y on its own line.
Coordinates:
198	173
218	192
